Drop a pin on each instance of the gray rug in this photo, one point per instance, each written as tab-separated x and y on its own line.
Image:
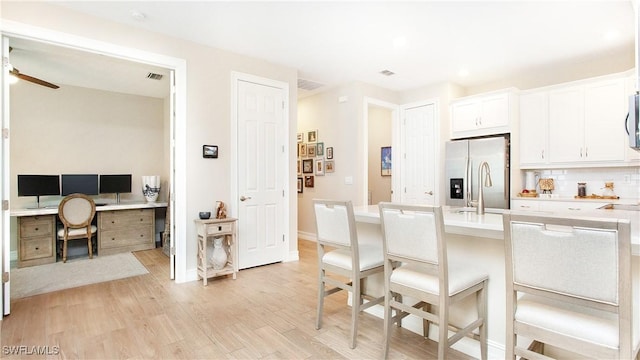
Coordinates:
42	279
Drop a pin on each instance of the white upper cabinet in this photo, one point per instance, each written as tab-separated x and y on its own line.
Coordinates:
575	125
534	127
485	114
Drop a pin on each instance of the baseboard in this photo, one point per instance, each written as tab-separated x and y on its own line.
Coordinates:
306	236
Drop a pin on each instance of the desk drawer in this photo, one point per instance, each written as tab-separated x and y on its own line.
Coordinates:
36	226
126	237
36	248
125	218
219	229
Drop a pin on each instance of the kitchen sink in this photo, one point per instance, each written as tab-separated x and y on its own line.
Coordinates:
472	209
632	207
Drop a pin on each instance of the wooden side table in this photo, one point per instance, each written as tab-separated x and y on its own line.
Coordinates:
213	228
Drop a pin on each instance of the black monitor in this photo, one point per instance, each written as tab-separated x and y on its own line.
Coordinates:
115	184
38	185
79	183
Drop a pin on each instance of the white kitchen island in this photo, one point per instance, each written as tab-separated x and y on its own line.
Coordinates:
479	241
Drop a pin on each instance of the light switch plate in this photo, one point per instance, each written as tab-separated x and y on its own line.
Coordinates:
348	180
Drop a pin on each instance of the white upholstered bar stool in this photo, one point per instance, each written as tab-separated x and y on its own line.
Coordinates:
416	266
569	286
340	257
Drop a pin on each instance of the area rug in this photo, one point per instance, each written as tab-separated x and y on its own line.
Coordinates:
42	279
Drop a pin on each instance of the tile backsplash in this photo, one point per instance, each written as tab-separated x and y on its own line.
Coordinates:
626	181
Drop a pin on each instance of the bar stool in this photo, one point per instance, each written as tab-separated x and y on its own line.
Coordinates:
416	265
341	256
569	285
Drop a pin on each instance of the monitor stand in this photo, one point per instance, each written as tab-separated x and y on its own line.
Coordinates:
37	203
117	198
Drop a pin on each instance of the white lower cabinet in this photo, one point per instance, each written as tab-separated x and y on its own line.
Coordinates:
554	205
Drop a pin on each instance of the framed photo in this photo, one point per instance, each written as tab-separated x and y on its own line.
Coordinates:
312	136
319	167
329	154
302	150
307	166
329	166
308	181
300	185
319	149
300	137
385	161
299	167
210	151
311	150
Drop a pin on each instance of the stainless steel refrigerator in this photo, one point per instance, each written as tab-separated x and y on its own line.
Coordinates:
463	159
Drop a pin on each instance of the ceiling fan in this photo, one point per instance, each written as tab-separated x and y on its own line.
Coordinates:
15	72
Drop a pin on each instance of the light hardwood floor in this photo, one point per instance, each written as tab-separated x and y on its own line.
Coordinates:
268	312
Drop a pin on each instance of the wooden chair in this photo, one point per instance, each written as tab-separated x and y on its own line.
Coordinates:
341	256
416	266
76	211
569	285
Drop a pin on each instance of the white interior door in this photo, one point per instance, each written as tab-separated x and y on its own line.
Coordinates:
262	170
418	159
4	191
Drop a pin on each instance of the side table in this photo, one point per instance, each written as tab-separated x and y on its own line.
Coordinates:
213	228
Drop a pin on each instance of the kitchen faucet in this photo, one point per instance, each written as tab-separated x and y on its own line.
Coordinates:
487	182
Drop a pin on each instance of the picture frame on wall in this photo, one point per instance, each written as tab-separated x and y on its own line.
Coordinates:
312	136
302	150
300	183
311	150
300	137
308	181
329	166
385	161
210	151
299	167
329	153
319	167
320	149
307	166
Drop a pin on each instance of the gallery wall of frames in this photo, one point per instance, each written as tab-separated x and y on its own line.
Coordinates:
314	159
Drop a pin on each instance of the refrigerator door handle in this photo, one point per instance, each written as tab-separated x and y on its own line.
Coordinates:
467	182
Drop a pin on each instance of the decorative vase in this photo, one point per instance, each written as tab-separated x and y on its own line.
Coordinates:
219	255
151	187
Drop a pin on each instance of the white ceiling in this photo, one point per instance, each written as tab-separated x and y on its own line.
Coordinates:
332	43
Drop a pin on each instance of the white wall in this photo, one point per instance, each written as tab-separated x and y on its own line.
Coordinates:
208	100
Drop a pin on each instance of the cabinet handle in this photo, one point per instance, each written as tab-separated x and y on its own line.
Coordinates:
37	229
572	208
37	248
586	152
113	222
525	206
543	154
580	152
429	192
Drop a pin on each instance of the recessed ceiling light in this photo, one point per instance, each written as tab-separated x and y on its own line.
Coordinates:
138	15
387	72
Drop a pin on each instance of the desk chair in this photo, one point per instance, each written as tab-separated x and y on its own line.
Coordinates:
569	285
341	256
76	211
416	265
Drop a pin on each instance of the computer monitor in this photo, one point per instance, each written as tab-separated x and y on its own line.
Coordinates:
115	184
79	183
38	185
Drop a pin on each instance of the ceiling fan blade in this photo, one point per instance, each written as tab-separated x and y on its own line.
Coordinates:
32	79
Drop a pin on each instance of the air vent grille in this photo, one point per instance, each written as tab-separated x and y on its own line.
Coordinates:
308	85
154	76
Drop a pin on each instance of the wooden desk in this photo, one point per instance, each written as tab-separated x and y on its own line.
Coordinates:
212	228
122	227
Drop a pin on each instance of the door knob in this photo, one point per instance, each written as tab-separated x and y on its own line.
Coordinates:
243	198
429	192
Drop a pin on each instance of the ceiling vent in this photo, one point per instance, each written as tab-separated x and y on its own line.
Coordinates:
308	85
154	76
387	72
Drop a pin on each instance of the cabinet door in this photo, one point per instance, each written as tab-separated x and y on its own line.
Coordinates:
525	205
534	119
566	118
568	205
494	111
464	116
604	111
